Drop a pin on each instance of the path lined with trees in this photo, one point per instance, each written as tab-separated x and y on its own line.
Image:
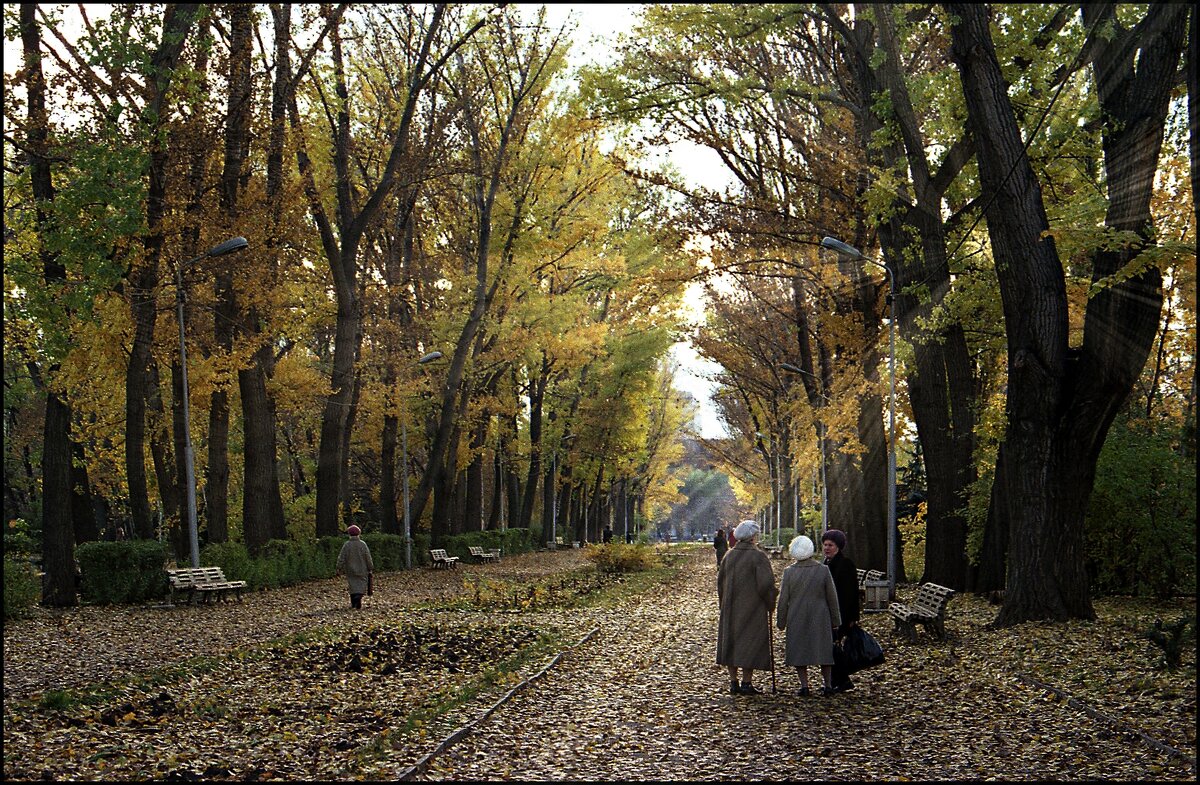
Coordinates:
272	686
464	269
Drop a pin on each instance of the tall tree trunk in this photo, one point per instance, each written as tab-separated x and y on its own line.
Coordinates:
1061	400
237	119
941	383
473	518
537	398
58	551
178	19
164	474
496	511
346	488
83	507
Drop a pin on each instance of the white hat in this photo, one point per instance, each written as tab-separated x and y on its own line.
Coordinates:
745	530
801	548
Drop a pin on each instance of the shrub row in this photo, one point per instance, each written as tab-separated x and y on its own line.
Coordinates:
133	571
509	541
288	562
122	572
21	590
622	557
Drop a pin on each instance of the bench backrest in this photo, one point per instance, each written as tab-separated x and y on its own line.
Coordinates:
932	597
185	577
868	575
438	554
475	550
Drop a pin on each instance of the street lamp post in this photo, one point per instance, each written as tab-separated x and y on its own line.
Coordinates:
853	253
404	470
189	468
821	441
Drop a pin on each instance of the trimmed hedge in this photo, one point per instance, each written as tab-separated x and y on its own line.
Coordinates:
288	562
125	572
21	590
509	541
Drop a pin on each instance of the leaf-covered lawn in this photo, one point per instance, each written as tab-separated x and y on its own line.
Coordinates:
290	684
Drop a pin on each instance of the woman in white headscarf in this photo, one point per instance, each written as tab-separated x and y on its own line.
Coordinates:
808	610
746	588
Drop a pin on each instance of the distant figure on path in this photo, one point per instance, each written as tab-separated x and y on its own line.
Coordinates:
808	610
354	561
607	533
746	588
845	580
720	542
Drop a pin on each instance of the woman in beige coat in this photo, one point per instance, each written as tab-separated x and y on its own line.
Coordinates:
808	610
746	588
354	561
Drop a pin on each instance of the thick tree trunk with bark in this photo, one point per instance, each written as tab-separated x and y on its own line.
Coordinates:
177	22
941	386
1062	400
58	547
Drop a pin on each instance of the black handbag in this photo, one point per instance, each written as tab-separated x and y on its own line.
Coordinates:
857	651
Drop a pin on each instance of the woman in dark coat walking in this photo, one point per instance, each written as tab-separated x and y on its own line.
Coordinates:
845	581
746	588
720	543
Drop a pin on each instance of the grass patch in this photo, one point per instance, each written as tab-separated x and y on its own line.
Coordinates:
439	704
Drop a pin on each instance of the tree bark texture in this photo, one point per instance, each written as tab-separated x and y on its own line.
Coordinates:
58	554
177	22
941	384
1061	400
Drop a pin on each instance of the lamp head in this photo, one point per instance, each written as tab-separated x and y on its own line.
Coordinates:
430	358
835	244
229	246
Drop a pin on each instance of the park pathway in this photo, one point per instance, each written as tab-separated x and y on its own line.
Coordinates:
637	697
642	699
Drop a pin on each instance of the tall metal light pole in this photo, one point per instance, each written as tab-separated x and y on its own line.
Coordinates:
821	443
853	253
189	468
404	470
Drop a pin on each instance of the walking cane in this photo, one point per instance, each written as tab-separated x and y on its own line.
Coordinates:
771	638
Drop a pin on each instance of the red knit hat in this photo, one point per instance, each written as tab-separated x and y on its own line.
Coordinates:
354	531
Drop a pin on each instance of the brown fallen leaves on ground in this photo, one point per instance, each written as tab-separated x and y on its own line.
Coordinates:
291	684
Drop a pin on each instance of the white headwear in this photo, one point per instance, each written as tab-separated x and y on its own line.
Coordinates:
801	548
745	530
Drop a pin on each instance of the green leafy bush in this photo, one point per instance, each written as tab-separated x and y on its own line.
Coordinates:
387	550
21	589
622	557
509	541
1141	521
129	571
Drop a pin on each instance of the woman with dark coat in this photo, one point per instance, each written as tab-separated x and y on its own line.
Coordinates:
746	588
720	543
845	581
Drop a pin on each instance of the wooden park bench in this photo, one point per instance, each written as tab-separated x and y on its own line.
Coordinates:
441	560
928	610
775	551
873	590
484	556
203	583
